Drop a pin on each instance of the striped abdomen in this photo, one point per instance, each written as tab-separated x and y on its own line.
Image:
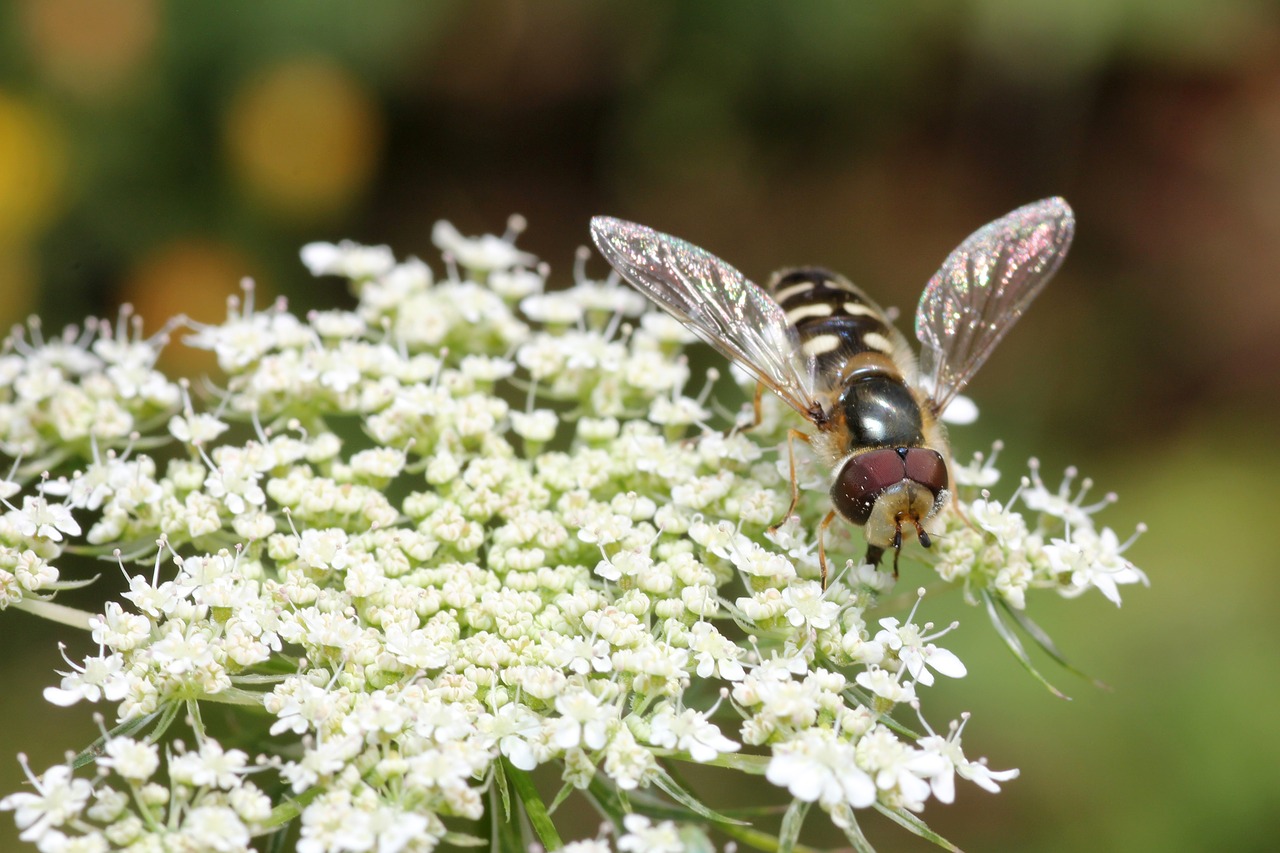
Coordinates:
834	318
852	343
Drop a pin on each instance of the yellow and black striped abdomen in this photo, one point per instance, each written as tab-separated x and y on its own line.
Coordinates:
834	319
852	345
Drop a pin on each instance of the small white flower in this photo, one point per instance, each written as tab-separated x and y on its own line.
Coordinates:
538	425
134	760
887	685
101	677
1007	526
817	766
212	766
42	519
691	731
59	798
347	259
1092	559
554	309
642	836
1062	504
807	606
954	761
196	429
715	653
895	766
479	253
516	728
216	828
981	472
916	651
628	762
584	720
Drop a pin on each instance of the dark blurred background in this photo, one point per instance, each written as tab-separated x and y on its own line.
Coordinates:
156	153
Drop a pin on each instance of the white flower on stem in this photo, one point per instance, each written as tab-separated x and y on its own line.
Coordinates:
898	767
752	559
642	836
981	472
235	483
300	707
58	799
886	684
818	766
152	599
717	656
324	549
1091	559
553	309
628	762
1008	527
215	828
691	731
1062	504
807	606
348	259
581	655
584	720
196	429
118	629
915	649
953	761
536	426
481	254
516	729
132	759
101	676
40	518
211	766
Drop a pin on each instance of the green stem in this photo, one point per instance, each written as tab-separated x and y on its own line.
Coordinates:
60	613
533	806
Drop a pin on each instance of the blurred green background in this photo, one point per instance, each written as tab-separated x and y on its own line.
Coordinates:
157	152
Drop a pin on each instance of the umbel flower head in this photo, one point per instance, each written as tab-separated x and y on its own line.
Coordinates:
471	532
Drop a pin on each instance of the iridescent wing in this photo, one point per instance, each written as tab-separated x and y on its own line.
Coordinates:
731	313
982	289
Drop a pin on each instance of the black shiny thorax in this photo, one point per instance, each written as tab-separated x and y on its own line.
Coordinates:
880	411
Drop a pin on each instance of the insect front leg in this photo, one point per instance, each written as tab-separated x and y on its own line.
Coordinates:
792	435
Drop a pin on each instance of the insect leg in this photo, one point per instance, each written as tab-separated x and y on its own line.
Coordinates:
792	435
757	414
822	547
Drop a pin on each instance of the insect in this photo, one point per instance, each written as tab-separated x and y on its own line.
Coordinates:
827	350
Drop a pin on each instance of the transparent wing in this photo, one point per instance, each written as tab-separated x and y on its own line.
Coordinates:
982	289
731	313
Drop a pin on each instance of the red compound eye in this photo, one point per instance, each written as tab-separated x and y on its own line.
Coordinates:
862	479
866	475
927	468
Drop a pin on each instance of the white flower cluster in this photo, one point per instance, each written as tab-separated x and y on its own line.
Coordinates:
991	546
448	537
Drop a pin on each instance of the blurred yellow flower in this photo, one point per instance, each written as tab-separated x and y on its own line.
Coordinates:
303	137
32	169
86	47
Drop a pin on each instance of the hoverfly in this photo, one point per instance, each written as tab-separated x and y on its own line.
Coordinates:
829	352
